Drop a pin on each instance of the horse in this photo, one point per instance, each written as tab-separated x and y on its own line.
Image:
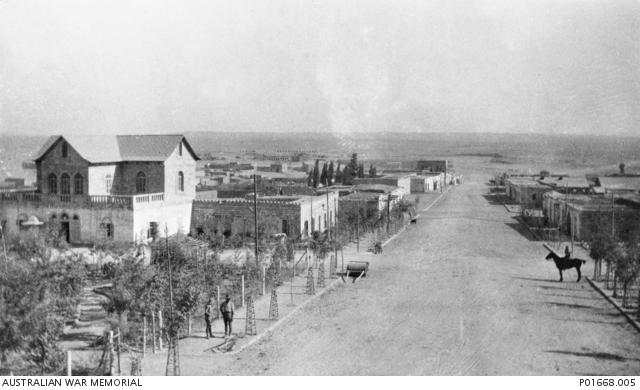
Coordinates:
564	263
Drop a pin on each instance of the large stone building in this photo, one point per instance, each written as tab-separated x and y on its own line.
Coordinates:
581	216
297	216
122	188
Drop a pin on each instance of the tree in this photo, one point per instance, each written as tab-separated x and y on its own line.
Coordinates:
330	173
339	177
316	174
323	175
310	179
38	297
627	268
600	246
132	281
372	171
347	175
361	170
354	162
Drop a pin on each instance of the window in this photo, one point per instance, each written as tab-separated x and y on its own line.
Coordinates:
141	183
533	197
108	182
65	185
306	227
180	181
285	226
3	226
180	149
78	184
107	228
52	181
65	149
153	230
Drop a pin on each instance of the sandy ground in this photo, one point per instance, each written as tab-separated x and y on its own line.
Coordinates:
463	292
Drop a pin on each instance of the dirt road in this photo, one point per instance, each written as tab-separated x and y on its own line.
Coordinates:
463	292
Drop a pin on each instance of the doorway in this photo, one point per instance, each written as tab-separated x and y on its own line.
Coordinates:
64	227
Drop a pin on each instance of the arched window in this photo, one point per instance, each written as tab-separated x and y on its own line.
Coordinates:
108	182
52	181
107	228
65	185
141	183
180	181
65	149
78	184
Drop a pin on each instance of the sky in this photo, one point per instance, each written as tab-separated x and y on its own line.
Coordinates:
346	67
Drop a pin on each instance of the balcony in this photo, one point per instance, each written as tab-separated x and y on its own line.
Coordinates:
83	201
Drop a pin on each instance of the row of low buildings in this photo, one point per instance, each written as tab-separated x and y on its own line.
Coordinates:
139	187
579	206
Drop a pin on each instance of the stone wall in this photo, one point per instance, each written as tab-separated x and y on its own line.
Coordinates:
314	211
124	181
53	162
235	216
85	224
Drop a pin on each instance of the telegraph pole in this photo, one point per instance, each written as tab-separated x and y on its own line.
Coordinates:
358	223
326	216
4	247
388	211
255	214
613	213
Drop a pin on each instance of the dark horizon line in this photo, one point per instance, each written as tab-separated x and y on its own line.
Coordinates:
302	132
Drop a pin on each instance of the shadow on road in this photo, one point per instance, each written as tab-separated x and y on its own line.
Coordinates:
520	228
596	355
539	280
571	305
496	199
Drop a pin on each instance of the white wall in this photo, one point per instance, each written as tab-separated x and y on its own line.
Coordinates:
97	176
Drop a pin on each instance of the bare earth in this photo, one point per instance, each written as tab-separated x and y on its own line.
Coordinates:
463	292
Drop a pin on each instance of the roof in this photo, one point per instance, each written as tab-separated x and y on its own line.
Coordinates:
117	148
375	188
527	182
367	197
573	182
620	183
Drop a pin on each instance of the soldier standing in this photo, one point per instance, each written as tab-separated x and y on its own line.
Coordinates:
208	310
226	308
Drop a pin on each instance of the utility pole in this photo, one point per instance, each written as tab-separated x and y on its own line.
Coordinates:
336	235
326	216
358	223
255	213
4	248
613	213
388	211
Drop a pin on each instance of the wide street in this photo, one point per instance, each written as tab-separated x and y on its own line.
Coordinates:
462	292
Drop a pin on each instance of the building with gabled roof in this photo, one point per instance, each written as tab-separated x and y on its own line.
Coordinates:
122	187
